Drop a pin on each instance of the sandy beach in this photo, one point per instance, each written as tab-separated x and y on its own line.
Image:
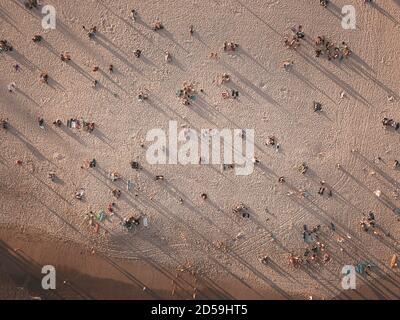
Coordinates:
197	244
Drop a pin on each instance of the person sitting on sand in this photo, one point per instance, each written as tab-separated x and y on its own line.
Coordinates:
346	50
324	3
303	168
235	94
116	193
264	260
298	32
295	261
135	165
88	126
30	4
320	40
270	141
158	25
57	123
37	38
4	123
92	163
242	210
114	176
142	96
52	176
80	194
5	46
317	106
130	222
91	33
11	87
230	46
65	56
44	78
287	64
213	55
41	123
390	123
292	43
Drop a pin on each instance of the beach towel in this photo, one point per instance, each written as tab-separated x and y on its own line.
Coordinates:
100	216
309	238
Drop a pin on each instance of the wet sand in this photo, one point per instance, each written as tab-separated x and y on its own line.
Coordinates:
94	276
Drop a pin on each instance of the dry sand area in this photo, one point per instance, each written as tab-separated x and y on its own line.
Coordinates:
199	246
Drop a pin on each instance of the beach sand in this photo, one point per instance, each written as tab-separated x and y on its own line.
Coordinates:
200	236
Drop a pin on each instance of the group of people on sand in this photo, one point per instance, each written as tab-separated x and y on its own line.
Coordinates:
315	250
368	222
80	124
323	47
390	123
187	93
329	49
293	41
